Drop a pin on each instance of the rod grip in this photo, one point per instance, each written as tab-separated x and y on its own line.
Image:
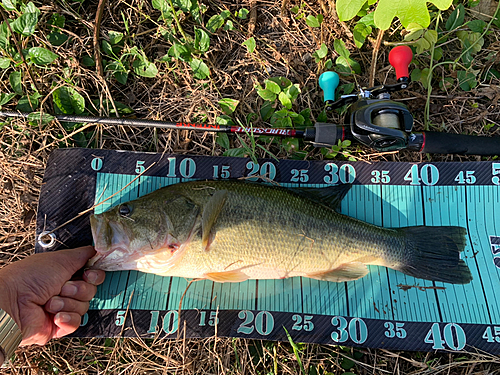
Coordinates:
445	143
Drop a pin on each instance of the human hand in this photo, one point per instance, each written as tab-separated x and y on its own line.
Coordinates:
39	294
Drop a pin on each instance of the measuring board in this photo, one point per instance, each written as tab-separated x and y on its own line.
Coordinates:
385	309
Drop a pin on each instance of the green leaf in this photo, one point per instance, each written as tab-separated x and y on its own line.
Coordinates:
321	52
285	100
88	61
237	152
340	48
9	4
224	120
214	23
223	140
229	25
228	105
243	13
57	20
272	86
413	32
15	82
360	32
407	11
26	23
267	110
347	9
42	56
201	40
179	51
225	14
4	62
185	5
122	109
115	37
348	64
422	45
292	92
466	80
347	363
431	36
446	83
56	38
28	104
200	69
5	98
68	100
250	44
314	21
144	68
410	11
107	48
456	18
477	26
368	20
266	95
290	144
38	118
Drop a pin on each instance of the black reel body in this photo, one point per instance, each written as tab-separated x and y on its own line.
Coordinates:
381	124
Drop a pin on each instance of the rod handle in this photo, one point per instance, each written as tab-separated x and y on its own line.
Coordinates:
445	143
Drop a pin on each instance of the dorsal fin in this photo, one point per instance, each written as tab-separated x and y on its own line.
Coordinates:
330	196
209	216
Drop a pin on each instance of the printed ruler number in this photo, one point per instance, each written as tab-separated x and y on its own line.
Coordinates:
492	334
302	323
170	322
264	322
380	177
466	178
395	330
224	171
495	171
356	330
299	175
85	320
120	318
139	167
346	173
96	164
266	171
212	321
452	336
428	175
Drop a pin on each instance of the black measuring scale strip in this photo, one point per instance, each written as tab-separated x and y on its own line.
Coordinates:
385	309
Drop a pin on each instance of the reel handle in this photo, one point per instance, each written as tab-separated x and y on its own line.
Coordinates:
400	58
445	143
329	81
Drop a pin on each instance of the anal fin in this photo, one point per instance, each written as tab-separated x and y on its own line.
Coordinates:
345	272
234	276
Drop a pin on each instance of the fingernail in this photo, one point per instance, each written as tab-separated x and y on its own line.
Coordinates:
91	276
69	289
63	317
56	304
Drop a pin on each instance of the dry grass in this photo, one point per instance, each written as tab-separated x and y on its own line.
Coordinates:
284	48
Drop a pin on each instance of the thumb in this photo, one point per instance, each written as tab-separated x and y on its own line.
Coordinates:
75	259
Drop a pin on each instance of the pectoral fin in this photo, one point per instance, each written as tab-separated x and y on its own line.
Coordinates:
209	217
345	272
234	276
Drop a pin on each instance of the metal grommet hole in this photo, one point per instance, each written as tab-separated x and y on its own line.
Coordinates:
46	239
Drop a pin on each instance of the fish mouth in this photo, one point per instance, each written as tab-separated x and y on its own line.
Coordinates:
110	242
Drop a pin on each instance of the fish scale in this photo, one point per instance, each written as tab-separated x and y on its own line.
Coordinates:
236	230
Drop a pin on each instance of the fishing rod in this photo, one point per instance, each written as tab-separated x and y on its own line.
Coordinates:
375	120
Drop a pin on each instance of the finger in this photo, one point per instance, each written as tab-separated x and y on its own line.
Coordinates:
74	259
95	277
66	322
58	304
79	290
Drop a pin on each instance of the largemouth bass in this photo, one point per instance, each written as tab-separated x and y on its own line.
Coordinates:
231	231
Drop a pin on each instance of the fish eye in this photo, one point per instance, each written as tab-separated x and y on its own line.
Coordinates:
125	210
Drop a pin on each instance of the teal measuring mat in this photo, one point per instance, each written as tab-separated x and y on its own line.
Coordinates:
385	309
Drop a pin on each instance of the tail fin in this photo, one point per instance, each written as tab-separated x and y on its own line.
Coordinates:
433	253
